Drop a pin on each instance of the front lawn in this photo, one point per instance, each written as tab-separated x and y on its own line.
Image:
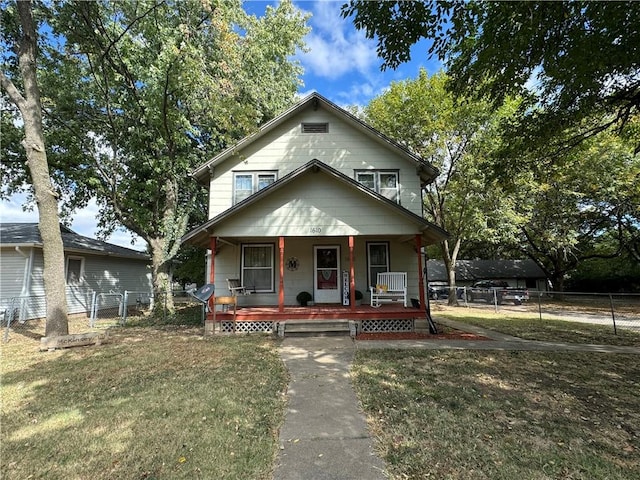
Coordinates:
152	403
502	415
530	327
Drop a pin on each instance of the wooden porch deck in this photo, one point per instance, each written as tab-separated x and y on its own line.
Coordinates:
320	313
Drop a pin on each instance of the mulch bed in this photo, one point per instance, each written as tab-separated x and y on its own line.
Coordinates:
452	335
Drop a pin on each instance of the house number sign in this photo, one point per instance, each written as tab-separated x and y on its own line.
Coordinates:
315	230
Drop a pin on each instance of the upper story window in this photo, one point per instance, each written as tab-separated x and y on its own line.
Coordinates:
315	128
384	182
246	184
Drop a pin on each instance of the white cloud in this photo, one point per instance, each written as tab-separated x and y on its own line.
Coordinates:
336	48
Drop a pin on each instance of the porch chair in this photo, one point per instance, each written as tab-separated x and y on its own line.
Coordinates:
390	287
236	288
226	302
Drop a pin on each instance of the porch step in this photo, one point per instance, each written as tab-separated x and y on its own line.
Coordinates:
313	328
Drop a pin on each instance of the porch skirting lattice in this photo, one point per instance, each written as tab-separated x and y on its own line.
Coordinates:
253	326
392	325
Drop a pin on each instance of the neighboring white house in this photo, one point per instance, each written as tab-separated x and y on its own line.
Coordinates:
317	201
91	266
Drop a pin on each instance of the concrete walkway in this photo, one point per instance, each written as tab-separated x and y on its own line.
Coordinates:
325	434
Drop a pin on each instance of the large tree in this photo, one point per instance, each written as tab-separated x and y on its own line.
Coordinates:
580	207
19	31
142	91
576	60
456	136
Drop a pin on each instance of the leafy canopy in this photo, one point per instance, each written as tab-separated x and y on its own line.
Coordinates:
572	60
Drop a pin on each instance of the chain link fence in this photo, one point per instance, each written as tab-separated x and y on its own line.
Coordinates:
25	315
617	310
105	309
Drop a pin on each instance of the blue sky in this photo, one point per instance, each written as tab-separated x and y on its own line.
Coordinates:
341	65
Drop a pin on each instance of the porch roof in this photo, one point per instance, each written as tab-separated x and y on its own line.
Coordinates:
430	232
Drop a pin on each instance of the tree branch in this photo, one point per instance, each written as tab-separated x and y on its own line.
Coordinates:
15	96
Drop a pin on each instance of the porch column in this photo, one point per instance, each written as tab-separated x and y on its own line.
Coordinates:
212	269
352	280
420	270
281	287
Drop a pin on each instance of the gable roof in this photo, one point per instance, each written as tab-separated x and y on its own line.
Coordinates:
472	270
200	234
427	172
28	235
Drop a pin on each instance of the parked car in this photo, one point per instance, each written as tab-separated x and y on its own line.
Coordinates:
488	290
438	291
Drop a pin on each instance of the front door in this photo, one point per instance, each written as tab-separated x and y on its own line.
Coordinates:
326	284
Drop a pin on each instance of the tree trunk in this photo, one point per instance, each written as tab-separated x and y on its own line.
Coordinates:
161	278
49	222
450	259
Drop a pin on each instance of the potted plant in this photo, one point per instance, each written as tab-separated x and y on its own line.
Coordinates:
358	297
304	298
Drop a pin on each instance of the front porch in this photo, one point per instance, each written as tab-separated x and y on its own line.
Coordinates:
251	319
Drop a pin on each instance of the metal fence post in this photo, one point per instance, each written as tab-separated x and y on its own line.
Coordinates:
125	301
540	304
495	299
8	319
94	309
613	315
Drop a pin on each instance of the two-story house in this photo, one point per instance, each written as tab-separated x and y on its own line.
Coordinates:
316	201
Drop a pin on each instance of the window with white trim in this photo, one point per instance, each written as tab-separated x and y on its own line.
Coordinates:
246	184
385	182
75	270
258	267
377	260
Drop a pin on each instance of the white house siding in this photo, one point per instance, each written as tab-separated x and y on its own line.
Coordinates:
285	148
102	274
228	261
14	266
316	204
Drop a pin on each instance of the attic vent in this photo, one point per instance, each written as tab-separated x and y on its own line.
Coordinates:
315	128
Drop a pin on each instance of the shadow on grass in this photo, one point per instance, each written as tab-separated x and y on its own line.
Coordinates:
149	404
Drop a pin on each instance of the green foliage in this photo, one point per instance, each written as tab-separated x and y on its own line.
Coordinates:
621	274
575	60
457	136
139	93
577	208
189	265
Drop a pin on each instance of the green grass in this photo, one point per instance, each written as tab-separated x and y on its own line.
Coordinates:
502	415
150	404
530	327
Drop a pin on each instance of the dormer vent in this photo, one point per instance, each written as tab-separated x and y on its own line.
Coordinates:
315	128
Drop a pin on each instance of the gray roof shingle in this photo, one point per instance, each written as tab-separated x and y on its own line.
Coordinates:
28	234
471	270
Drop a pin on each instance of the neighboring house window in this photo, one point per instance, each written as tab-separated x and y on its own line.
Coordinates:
246	184
258	270
382	181
75	270
315	128
377	260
